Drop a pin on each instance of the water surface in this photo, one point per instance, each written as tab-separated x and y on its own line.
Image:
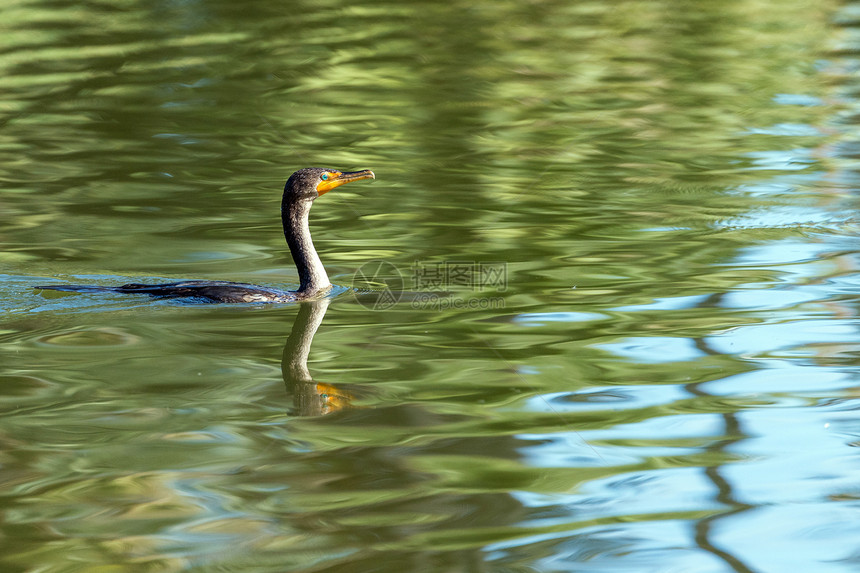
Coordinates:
643	215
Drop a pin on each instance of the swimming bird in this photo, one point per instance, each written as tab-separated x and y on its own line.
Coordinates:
301	190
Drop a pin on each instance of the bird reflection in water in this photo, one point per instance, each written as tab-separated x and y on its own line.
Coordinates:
311	398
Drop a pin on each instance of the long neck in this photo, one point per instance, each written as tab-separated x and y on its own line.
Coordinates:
311	271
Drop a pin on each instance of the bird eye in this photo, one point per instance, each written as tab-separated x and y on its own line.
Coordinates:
324	176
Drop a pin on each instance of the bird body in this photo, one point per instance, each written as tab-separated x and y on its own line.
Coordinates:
301	190
213	291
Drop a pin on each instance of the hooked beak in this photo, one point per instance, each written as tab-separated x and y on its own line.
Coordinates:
338	178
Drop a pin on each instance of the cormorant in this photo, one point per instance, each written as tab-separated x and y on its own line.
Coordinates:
300	191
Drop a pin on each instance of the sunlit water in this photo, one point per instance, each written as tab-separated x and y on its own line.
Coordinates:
642	216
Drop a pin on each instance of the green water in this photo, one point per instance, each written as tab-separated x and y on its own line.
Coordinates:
642	216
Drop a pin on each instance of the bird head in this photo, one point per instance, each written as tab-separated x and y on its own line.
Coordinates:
311	182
